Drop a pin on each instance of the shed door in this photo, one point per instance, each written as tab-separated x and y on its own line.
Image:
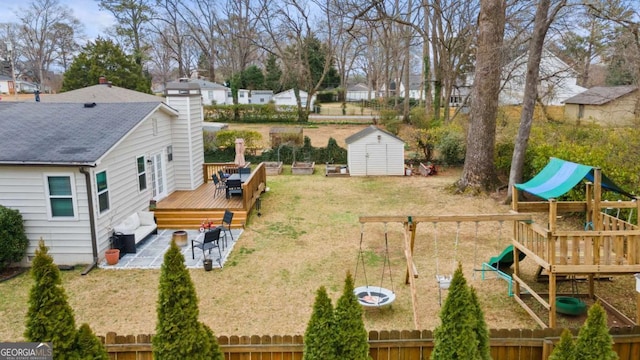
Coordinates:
376	158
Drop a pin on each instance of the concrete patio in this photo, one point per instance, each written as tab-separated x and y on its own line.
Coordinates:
150	253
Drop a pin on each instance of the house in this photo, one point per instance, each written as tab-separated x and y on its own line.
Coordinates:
359	92
26	87
558	81
260	97
212	93
81	162
373	151
608	106
288	98
6	85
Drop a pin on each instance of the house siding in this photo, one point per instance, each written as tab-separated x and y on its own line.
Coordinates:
23	188
188	153
122	176
368	157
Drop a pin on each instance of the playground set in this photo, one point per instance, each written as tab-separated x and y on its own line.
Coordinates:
607	246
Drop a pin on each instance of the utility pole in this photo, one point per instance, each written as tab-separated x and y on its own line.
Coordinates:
13	72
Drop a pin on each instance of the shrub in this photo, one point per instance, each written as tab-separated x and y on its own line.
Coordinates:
50	318
457	335
179	334
565	349
89	346
227	138
351	340
13	241
318	338
594	341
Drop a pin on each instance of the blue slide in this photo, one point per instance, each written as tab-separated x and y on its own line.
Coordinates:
505	259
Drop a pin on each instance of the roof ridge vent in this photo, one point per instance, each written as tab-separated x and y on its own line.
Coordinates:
89	105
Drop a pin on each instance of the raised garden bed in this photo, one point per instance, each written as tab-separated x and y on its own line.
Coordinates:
303	168
336	170
273	167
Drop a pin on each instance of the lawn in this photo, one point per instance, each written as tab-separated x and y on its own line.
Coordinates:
309	236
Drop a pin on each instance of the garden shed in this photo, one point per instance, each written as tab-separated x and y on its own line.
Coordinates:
373	151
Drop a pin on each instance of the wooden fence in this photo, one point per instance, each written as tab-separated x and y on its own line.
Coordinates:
388	345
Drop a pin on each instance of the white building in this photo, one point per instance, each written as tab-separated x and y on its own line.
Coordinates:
288	98
373	151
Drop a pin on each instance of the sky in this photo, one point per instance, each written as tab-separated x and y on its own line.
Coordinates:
94	20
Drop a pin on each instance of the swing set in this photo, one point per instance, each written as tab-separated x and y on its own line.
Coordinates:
377	295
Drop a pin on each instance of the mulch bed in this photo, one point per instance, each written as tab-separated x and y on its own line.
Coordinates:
11	272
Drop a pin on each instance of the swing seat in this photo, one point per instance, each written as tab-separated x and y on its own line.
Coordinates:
374	296
444	281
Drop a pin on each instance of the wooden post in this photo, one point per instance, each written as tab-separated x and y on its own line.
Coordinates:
410	226
597	196
514	199
552	299
589	202
553	214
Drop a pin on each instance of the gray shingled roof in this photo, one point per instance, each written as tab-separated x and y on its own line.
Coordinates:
600	95
64	133
101	93
367	131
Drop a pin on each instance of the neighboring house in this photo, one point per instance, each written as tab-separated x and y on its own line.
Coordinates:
81	162
359	92
288	98
558	81
608	106
243	96
212	93
260	97
26	87
6	85
373	151
398	88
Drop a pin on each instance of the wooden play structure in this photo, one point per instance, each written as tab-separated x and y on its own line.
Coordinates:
607	245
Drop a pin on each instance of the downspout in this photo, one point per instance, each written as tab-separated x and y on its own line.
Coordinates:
92	221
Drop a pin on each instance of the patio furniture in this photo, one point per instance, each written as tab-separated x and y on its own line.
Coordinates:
211	240
226	225
220	186
223	176
233	187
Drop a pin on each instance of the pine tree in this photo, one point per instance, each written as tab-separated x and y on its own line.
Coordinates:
351	340
456	338
179	334
89	346
318	338
481	329
565	349
50	318
594	341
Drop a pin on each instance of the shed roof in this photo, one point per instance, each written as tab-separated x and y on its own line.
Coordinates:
367	131
600	95
101	93
66	133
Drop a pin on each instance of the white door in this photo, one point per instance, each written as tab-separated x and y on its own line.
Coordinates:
158	177
376	158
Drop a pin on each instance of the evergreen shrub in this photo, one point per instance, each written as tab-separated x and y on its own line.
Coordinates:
13	240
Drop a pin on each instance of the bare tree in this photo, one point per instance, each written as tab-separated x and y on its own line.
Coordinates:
161	64
479	170
545	15
39	41
133	18
169	26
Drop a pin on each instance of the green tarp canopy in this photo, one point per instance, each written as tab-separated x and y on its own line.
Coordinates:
560	176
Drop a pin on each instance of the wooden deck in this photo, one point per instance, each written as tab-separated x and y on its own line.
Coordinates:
188	209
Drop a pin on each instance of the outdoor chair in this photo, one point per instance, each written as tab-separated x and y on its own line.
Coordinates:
233	187
220	186
211	240
226	225
223	176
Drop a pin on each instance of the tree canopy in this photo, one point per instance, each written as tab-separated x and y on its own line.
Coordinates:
105	58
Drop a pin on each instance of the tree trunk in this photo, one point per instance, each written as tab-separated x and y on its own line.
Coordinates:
479	170
541	25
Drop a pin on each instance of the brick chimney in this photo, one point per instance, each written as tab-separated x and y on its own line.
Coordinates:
102	80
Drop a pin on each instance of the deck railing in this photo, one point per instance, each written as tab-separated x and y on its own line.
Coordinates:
577	251
209	169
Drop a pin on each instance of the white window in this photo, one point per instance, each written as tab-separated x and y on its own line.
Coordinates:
210	94
60	194
103	191
241	94
142	173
